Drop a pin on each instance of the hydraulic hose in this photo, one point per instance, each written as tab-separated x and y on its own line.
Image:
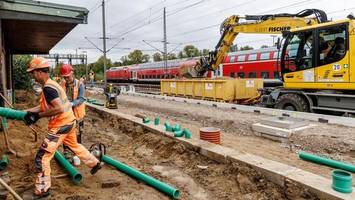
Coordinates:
12	114
326	161
73	172
4	162
163	187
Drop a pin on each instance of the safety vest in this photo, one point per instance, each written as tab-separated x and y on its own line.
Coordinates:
79	111
61	119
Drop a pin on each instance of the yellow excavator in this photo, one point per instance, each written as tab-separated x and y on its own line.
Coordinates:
316	57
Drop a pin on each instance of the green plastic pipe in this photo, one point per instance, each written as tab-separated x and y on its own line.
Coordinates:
176	127
73	172
187	133
342	181
97	103
178	133
326	161
4	162
12	114
163	187
146	120
156	121
168	127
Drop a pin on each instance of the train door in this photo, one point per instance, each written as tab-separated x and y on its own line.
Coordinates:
134	75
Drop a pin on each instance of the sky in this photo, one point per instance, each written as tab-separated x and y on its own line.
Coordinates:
194	22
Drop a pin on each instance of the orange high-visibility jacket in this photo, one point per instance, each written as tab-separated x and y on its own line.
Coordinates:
79	111
61	119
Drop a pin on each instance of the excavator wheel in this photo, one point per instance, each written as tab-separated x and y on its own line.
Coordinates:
293	102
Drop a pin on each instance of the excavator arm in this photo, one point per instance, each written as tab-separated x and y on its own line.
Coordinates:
259	24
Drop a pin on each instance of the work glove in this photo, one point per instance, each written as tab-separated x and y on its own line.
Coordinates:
31	118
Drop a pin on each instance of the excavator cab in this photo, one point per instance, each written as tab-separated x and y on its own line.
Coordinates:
316	54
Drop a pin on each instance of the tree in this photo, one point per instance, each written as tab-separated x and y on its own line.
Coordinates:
191	51
157	57
117	63
246	48
205	52
171	56
98	66
181	55
56	70
146	58
125	61
136	56
264	46
79	70
22	79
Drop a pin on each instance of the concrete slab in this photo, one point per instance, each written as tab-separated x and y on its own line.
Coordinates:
284	122
276	133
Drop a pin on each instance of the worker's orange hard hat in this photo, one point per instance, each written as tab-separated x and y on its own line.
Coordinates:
38	63
66	70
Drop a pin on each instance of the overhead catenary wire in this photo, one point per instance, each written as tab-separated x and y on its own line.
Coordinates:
153	20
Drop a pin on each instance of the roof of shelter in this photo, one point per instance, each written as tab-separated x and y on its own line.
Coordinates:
34	27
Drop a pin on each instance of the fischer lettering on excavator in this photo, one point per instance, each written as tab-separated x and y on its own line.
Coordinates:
278	29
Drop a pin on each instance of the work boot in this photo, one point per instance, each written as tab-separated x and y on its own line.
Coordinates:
96	168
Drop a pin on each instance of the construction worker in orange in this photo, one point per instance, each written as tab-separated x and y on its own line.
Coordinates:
53	104
75	91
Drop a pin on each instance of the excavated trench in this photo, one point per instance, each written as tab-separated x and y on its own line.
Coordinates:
196	176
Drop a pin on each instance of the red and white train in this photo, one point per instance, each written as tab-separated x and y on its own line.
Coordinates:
260	63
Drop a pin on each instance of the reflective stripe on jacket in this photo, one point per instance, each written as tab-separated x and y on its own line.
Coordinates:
79	111
61	119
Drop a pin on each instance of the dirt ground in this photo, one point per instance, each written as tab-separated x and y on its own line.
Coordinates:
333	141
195	176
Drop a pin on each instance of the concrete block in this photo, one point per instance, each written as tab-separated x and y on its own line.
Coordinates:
271	130
215	152
284	122
272	170
276	133
318	185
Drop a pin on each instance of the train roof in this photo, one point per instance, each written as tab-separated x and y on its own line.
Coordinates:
253	51
177	61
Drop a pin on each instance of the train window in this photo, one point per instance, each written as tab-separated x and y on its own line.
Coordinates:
252	57
276	74
241	75
264	74
276	55
232	58
232	74
241	58
265	56
252	75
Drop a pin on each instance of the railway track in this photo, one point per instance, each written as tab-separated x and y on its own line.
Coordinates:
136	87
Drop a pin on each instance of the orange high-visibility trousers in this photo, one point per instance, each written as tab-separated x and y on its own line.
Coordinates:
57	136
